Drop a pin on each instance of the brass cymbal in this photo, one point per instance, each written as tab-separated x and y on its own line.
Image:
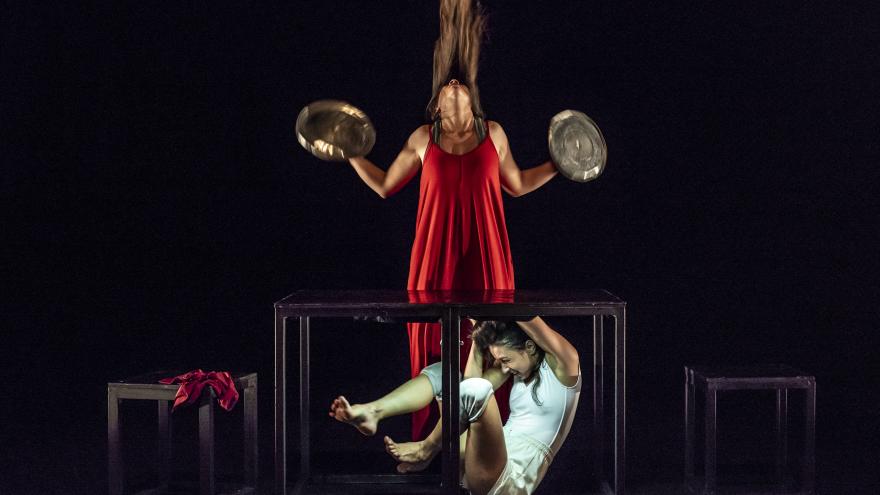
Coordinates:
577	147
334	130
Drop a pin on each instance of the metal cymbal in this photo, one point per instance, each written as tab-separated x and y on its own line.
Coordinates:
334	130
577	147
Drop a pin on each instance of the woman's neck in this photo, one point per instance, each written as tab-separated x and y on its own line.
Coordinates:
457	123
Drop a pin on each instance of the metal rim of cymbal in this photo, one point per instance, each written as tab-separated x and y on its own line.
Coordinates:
325	143
579	172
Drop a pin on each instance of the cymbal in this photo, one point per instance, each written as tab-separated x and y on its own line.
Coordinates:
577	146
334	130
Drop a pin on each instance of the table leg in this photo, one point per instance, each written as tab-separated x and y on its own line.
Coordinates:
450	354
598	397
305	444
280	404
809	474
781	435
711	444
251	450
620	402
164	407
689	393
206	443
114	451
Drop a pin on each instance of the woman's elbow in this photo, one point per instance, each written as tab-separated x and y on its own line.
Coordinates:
383	192
514	192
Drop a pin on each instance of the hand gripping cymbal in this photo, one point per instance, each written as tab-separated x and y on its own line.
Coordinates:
334	130
577	147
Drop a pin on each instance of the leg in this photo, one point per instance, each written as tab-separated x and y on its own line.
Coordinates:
688	426
280	404
114	452
809	473
452	394
486	453
413	395
473	400
711	399
781	435
598	397
251	451
305	429
620	402
164	443
415	456
206	443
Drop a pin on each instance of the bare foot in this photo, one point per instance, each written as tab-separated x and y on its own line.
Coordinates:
358	415
411	453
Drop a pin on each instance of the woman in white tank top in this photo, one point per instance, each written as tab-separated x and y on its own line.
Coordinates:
496	459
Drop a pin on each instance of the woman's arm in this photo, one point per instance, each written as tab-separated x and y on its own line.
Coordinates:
565	361
515	181
402	169
475	365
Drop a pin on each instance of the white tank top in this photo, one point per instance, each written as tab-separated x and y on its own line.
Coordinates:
550	422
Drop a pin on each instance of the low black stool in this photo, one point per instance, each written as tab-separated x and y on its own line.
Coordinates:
147	387
762	377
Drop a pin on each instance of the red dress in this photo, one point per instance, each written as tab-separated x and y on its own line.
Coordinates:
460	244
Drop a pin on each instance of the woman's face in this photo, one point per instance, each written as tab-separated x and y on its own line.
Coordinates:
454	98
516	362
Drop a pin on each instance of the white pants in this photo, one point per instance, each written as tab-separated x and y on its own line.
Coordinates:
527	463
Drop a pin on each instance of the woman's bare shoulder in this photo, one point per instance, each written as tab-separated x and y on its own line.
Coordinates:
418	141
496	131
419	137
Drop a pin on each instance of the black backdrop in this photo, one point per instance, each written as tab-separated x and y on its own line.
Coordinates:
156	202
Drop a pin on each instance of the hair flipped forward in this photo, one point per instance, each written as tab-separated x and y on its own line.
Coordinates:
508	334
457	50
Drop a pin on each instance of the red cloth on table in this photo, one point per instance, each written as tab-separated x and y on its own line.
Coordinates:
193	382
460	244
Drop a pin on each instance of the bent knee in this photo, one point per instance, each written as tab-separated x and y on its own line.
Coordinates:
477	388
434	373
474	395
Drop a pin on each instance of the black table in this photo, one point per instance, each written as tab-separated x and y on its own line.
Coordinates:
448	308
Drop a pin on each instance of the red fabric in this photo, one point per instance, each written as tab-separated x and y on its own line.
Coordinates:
192	383
460	244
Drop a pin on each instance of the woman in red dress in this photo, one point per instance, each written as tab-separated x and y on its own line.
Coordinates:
461	235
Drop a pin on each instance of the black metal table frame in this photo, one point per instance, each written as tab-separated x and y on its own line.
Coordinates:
779	378
147	387
449	314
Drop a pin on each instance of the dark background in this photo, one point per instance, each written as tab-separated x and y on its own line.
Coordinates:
156	202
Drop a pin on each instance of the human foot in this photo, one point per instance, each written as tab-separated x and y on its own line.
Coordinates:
414	453
360	416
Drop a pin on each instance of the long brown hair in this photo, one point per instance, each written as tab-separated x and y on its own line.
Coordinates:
457	50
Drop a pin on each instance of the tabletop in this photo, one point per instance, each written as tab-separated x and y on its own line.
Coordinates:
403	299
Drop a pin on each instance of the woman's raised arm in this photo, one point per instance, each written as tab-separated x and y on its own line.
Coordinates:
565	361
475	368
515	181
402	169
